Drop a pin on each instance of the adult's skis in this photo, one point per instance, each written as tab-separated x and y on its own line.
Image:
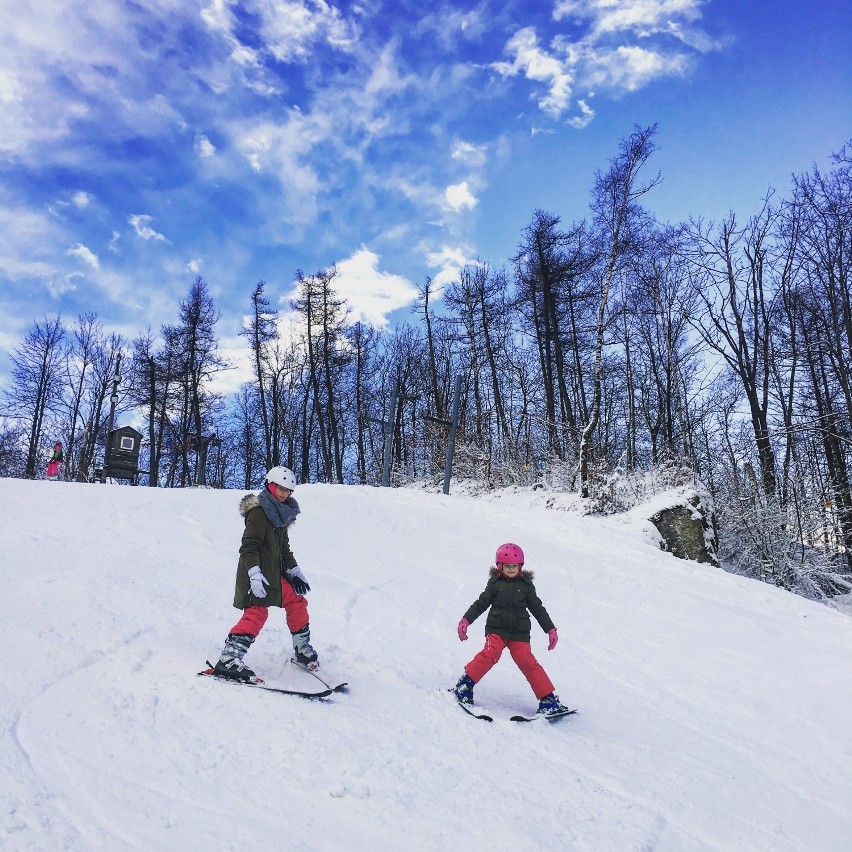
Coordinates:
321	691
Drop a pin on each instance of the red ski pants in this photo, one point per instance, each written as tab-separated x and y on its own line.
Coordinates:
521	653
295	609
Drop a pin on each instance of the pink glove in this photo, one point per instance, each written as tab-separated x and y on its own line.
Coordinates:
462	629
551	635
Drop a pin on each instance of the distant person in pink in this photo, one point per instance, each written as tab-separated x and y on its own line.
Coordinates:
56	459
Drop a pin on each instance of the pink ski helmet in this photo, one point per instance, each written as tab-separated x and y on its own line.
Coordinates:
510	553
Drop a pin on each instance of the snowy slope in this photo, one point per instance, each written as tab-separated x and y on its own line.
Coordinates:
714	710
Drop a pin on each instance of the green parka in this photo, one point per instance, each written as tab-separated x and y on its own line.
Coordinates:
265	545
511	602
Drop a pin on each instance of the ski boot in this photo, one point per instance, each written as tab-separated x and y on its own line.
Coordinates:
551	706
463	690
304	653
230	663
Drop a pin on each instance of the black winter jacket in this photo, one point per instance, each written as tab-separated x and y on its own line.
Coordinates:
511	603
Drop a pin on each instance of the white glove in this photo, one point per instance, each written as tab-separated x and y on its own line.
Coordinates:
258	582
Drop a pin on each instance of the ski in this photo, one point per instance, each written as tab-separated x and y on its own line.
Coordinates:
330	683
477	714
553	717
470	709
269	686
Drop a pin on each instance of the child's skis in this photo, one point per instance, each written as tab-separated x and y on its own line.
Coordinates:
551	717
468	708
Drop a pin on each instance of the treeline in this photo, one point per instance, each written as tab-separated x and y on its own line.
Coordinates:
604	353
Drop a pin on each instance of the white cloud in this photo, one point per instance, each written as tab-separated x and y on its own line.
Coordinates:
449	262
194	266
631	68
204	147
10	87
643	17
538	65
451	25
290	29
26	238
586	115
80	199
459	197
58	287
282	151
472	155
85	254
143	229
369	292
217	16
622	46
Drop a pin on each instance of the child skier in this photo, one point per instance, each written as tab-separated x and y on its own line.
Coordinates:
56	459
510	594
267	575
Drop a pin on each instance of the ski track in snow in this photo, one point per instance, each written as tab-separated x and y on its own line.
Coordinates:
713	711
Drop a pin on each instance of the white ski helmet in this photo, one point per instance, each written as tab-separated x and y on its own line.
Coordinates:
282	476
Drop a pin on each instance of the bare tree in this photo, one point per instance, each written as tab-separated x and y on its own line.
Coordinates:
261	331
658	309
820	309
324	315
363	343
154	379
12	457
90	369
36	383
553	295
736	279
199	361
438	400
617	220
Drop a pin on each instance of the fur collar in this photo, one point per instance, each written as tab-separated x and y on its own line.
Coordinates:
495	572
248	503
278	514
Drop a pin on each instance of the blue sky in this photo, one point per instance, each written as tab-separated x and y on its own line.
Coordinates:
141	145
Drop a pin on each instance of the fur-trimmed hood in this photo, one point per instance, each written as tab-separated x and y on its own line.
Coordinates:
278	514
523	574
248	503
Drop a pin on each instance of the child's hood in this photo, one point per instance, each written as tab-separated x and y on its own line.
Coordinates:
248	503
284	516
495	573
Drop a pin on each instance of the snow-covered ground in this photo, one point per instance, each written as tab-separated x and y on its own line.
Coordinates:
714	711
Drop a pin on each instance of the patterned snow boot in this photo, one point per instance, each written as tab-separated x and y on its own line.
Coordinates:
550	706
231	663
463	690
304	653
